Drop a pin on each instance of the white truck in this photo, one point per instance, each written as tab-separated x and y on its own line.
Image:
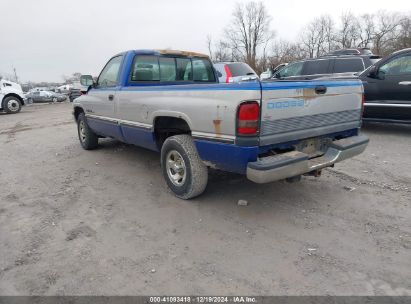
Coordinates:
172	102
11	97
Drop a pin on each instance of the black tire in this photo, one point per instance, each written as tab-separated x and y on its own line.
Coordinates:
11	105
195	171
88	139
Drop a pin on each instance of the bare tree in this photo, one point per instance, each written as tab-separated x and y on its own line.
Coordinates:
404	39
219	51
210	46
349	32
249	38
249	32
318	36
367	30
386	31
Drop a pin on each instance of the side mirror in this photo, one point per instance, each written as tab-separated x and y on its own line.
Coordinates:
86	80
372	73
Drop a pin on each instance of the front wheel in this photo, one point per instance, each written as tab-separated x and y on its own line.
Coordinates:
11	105
185	173
88	139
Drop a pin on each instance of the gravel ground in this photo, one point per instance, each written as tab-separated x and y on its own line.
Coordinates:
75	222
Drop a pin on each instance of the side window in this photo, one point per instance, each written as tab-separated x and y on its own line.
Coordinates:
184	69
145	68
348	65
109	76
168	70
203	71
397	66
314	67
293	69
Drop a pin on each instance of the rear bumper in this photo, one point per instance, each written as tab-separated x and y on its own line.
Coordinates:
281	166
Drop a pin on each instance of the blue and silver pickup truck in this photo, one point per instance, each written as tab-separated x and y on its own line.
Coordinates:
172	102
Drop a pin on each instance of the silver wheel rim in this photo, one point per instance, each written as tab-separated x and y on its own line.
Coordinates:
54	99
176	168
13	105
82	131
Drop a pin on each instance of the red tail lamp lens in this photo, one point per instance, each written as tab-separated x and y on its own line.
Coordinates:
248	118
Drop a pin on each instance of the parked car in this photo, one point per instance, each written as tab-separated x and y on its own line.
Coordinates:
45	96
270	72
387	88
171	101
230	72
74	93
330	66
352	51
12	97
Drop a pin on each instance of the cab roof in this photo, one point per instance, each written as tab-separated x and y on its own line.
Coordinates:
170	52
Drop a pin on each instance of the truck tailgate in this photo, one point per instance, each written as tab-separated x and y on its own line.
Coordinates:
296	110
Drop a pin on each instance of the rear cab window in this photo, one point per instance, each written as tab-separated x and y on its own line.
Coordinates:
153	68
145	68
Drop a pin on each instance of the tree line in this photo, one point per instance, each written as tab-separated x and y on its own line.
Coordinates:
249	37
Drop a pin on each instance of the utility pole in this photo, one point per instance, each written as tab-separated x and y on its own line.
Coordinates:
16	79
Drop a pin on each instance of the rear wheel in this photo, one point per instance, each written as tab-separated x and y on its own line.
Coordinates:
88	139
185	173
11	105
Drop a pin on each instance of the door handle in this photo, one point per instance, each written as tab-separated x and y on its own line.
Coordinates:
320	89
110	97
407	83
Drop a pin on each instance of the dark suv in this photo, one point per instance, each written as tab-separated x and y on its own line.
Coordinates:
387	88
334	64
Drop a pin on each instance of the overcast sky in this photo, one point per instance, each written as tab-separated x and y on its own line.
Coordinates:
45	39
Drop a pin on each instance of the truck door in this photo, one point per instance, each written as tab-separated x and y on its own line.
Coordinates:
388	95
100	109
396	83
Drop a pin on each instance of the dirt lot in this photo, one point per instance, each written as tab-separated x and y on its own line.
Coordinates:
103	221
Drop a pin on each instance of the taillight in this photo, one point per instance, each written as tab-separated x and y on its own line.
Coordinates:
248	118
229	76
362	104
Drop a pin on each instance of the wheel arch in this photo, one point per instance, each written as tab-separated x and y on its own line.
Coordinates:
165	126
77	111
13	95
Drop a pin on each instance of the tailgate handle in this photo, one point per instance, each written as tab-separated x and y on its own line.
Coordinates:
320	89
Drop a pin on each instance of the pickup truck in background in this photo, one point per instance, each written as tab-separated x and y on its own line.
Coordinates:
172	102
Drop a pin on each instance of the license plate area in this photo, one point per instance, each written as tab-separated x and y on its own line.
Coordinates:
313	147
